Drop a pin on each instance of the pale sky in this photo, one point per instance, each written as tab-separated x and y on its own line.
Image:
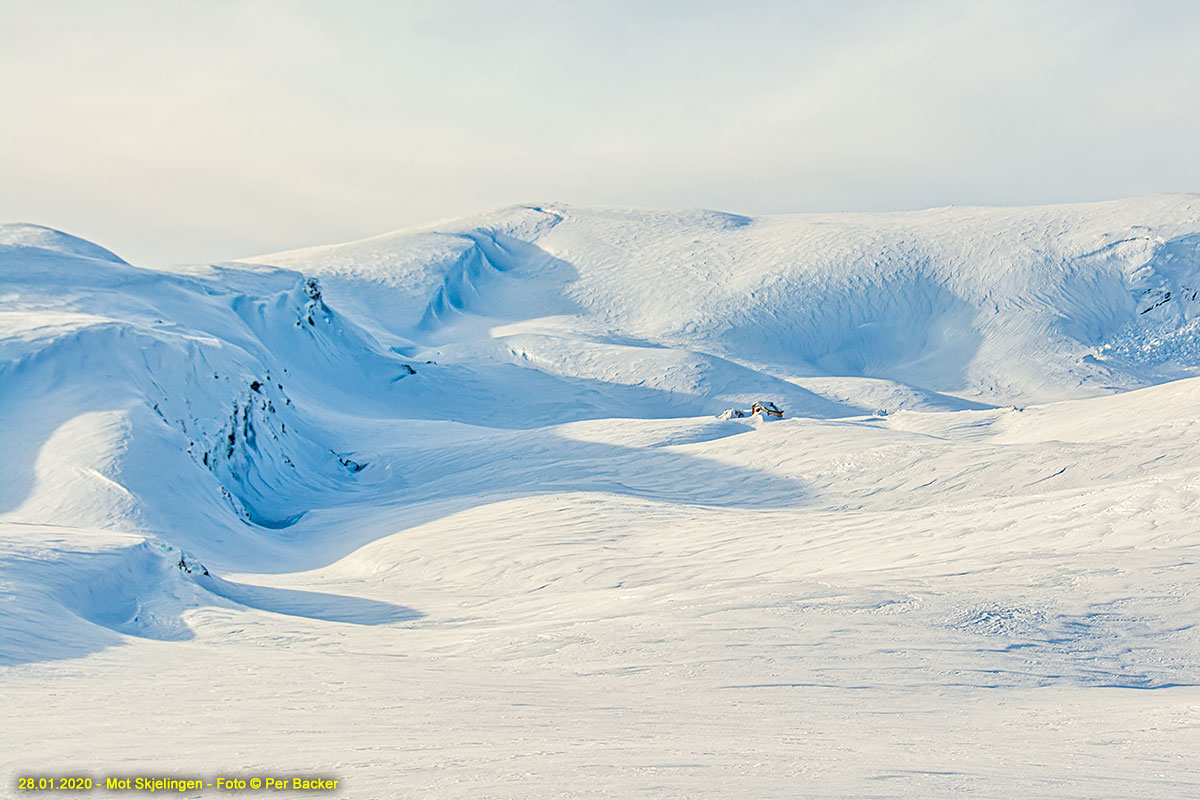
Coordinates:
207	130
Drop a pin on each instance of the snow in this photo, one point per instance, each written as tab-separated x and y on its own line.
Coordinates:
472	526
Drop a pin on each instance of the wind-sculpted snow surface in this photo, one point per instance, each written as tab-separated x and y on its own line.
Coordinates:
1000	305
450	512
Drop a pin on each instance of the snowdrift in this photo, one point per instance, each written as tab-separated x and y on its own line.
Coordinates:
215	409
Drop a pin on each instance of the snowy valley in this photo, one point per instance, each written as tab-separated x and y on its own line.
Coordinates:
452	511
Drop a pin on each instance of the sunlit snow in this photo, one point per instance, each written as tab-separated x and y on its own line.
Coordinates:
451	512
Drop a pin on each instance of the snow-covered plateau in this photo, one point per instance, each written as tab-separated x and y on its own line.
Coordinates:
452	512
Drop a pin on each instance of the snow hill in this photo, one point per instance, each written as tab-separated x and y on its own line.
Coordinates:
996	305
488	452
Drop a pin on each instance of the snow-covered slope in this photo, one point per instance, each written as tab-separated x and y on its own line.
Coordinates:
1000	305
476	469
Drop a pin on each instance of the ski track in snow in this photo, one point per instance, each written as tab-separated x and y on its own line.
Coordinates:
449	512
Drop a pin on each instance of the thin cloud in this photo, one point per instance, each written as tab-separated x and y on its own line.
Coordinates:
183	131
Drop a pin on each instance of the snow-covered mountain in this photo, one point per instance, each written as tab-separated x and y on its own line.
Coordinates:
486	454
995	304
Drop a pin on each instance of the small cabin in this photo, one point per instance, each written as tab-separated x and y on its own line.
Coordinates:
767	409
